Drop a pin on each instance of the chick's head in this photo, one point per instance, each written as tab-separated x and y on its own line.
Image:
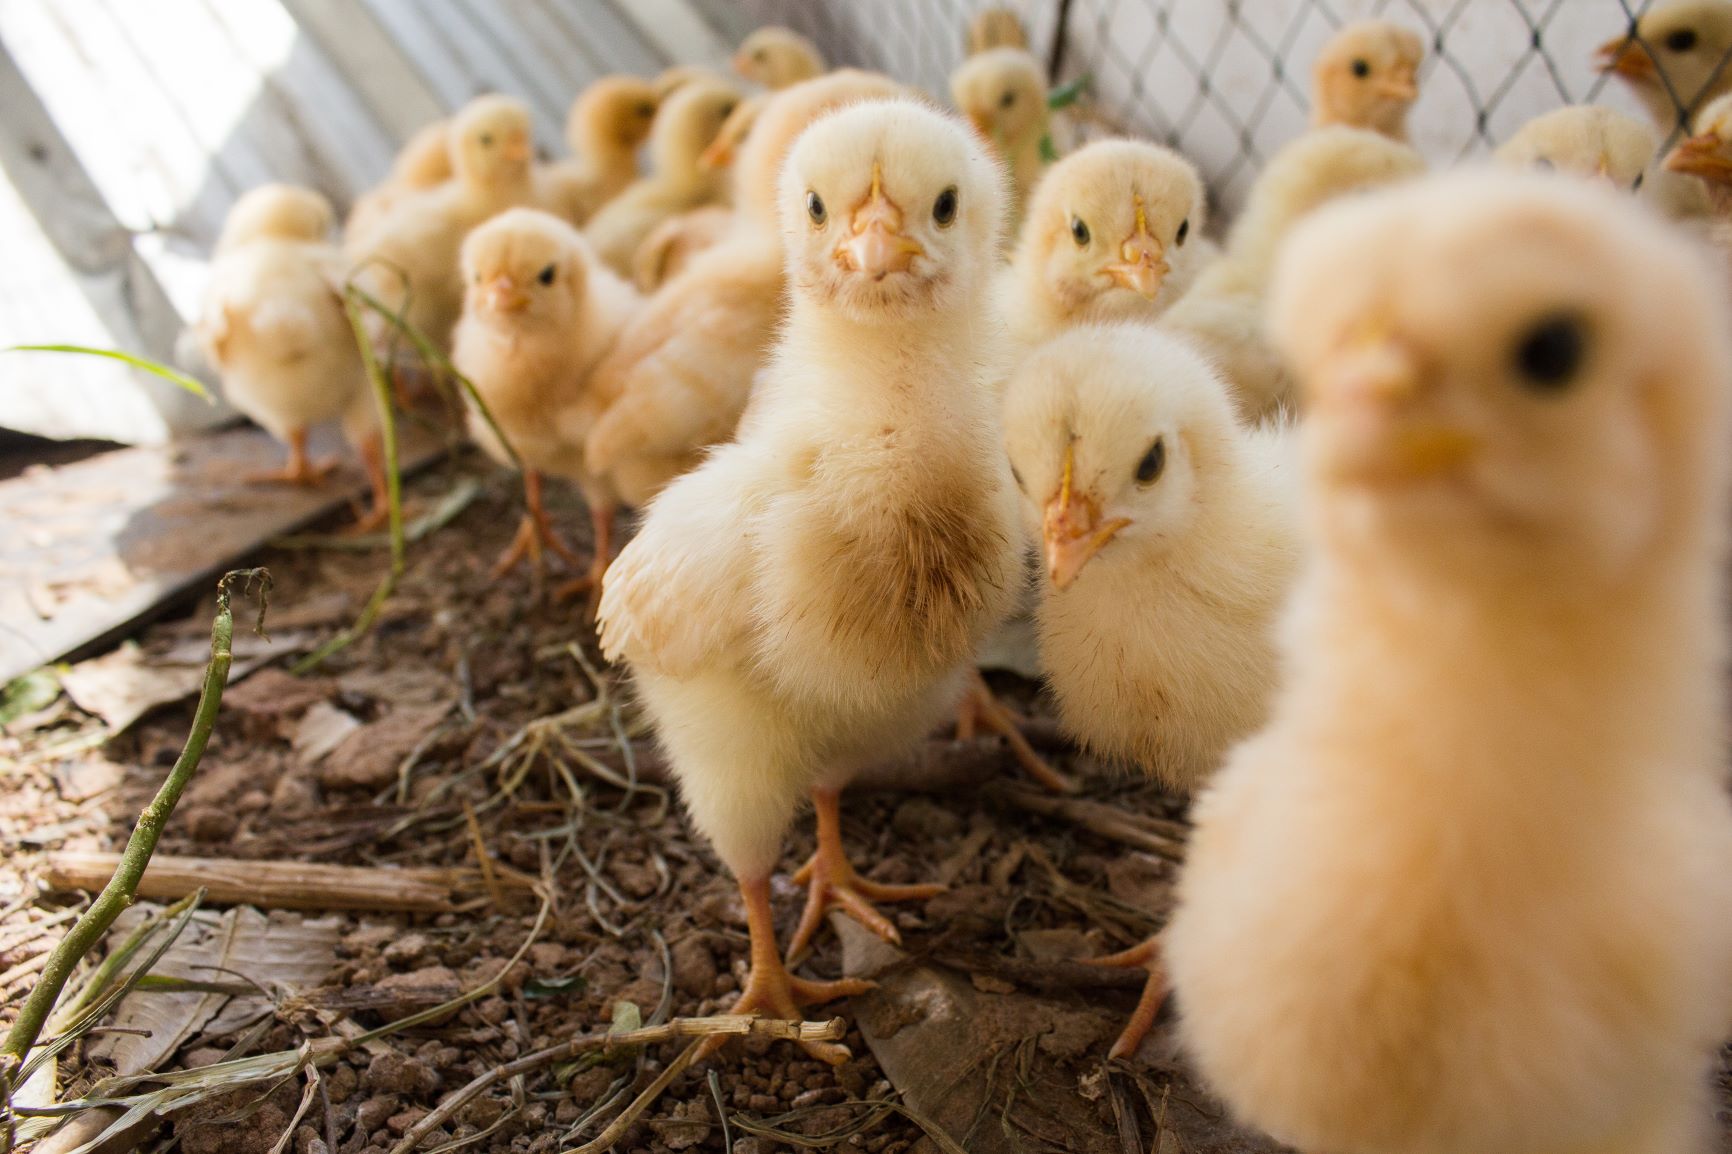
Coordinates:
889	209
689	121
995	28
1584	140
1497	366
777	57
280	212
524	268
1367	76
615	112
1105	226
491	142
1707	153
1675	57
1002	91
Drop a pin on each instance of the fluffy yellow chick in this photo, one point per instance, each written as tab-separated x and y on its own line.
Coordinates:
1170	536
424	162
669	79
674	244
777	58
1111	233
684	369
1604	144
1003	93
1675	61
607	124
1707	156
538	313
273	326
995	28
1223	313
409	261
1468	890
1367	76
687	123
810	598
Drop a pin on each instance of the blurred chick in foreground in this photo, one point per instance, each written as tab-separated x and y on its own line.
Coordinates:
539	312
1675	62
1222	315
1367	76
1602	143
1114	231
1468	891
604	129
994	28
274	327
1002	91
682	372
1170	536
777	58
685	126
810	598
424	162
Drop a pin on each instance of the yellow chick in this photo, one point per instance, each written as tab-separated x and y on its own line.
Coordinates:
1003	93
809	599
274	328
409	261
669	79
1222	315
1675	59
778	58
424	162
1367	76
606	126
1468	890
675	243
684	128
538	313
1707	156
995	28
684	369
734	130
1111	233
1601	143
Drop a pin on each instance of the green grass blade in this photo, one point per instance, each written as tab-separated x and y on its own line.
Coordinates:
144	364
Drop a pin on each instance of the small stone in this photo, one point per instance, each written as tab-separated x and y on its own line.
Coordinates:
211	824
694	967
411	947
399	1124
988	984
924	819
396	1073
372	1113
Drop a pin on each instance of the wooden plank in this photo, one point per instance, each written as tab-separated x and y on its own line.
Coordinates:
96	547
272	885
372	62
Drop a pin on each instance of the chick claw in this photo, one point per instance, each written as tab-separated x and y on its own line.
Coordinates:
534	534
835	885
1146	956
771	991
981	709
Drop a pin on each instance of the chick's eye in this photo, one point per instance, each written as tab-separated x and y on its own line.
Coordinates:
1544	164
545	276
726	110
1549	355
944	208
1362	68
1149	468
1636	185
1008	99
1017	477
486	140
646	110
1079	232
815	208
1682	40
1184	231
761	55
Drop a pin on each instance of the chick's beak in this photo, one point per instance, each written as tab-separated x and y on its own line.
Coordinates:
1625	57
516	149
719	154
1399	86
1704	156
1071	530
501	295
1374	384
1142	263
877	246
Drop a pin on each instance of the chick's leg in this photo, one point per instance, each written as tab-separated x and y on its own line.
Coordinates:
1146	956
771	990
372	452
831	882
534	533
981	709
300	470
601	523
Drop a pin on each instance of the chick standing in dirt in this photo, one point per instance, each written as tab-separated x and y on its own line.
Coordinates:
809	600
778	58
1367	76
539	312
1002	91
604	129
274	327
1468	892
1676	61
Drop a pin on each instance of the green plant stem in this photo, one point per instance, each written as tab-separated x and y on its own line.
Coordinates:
123	886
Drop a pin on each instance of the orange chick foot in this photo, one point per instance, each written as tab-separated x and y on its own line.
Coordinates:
835	885
534	540
772	992
301	472
981	709
1146	956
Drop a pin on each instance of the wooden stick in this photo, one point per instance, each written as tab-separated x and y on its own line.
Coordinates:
1152	834
283	885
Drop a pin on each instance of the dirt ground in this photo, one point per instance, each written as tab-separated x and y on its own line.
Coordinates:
423	745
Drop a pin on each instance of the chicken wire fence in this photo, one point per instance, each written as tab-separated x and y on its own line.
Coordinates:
1227	81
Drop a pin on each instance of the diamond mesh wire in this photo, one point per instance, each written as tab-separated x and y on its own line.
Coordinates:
1227	81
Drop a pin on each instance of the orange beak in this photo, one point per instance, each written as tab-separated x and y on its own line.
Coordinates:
744	65
1142	263
981	123
1704	155
1375	379
1400	86
516	149
1071	530
719	154
1627	57
501	295
877	246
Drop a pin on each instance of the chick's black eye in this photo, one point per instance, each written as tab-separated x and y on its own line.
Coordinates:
1544	164
487	140
1682	40
726	110
1149	468
1549	355
1636	185
646	110
545	276
815	208
944	208
1079	232
1017	477
1184	231
1362	68
1008	99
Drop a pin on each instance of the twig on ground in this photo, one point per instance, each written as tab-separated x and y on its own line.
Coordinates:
1107	821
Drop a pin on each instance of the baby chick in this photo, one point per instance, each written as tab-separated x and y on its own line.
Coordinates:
1003	93
1468	891
778	57
1601	143
1170	536
604	129
1222	315
1676	59
809	599
666	252
1707	156
995	28
683	370
424	162
1108	236
686	125
538	314
274	327
1367	76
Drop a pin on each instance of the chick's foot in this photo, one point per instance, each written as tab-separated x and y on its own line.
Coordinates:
300	469
832	882
980	709
1146	956
535	536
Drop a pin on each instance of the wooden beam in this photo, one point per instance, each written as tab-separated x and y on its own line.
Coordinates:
675	29
380	71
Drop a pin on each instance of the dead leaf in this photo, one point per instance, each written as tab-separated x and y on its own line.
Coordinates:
122	686
322	728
